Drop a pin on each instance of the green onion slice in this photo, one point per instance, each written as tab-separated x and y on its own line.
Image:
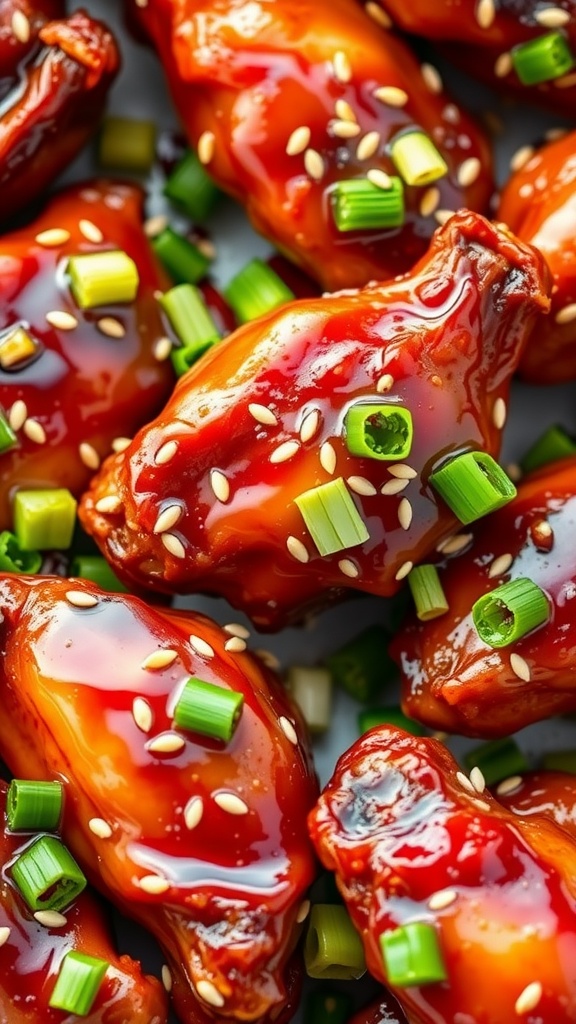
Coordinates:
472	485
378	431
183	261
127	145
426	589
333	948
497	760
542	59
34	806
412	955
97	570
208	709
47	875
416	159
78	983
363	666
256	290
103	278
191	321
14	559
8	438
191	189
510	612
332	518
560	761
311	689
44	519
392	715
553	444
17	348
359	205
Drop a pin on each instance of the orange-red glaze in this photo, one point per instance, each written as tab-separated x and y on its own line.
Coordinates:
550	793
253	71
397	824
443	342
235	882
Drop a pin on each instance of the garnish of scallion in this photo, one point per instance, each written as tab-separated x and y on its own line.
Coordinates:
8	438
183	261
333	948
426	589
127	145
416	158
14	559
78	983
472	485
363	666
44	519
103	278
331	517
542	59
391	715
497	760
192	322
553	444
378	431
412	955
34	806
47	875
191	189
208	709
510	612
311	689
359	205
256	290
97	570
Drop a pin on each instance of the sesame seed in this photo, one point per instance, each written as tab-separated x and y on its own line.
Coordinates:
341	66
18	414
456	544
310	425
378	14
20	27
111	327
231	803
345	129
50	918
100	828
499	413
394	486
109	504
368	146
81	599
552	17
285	451
508	785
361	485
4	935
235	645
166	977
465	782
155	225
520	667
162	349
441	899
91	231
384	383
220	485
567	314
288	730
120	444
500	565
159	659
469	171
391	95
429	201
173	545
503	65
328	457
299	140
166	743
141	3
528	998
297	549
61	320
52	237
154	885
432	79
441	216
237	629
268	658
314	164
555	133
142	714
521	157
88	455
303	911
34	431
405	514
404	570
166	453
348	567
485	13
168	518
379	178
482	805
344	111
209	993
477	779
206	147
202	647
193	812
402	471
262	414
542	530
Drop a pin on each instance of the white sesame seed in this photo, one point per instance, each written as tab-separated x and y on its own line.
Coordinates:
81	599
552	17
220	485
52	237
168	518
166	453
120	444
477	779
262	414
361	485
500	565
378	14
34	431
520	667
201	646
209	993
88	455
162	349
173	545
555	133
166	743
154	885
344	111
297	549
521	157
231	803
482	805
429	201
469	171
345	129
109	504
235	645
159	659
90	231
328	458
441	899
50	918
268	658
432	79
18	414
348	567
154	226
402	471
111	327
465	782
379	178
367	147
193	812
4	935
391	95
285	451
237	629
384	383
206	147
299	140
100	828
20	27
405	514
529	998
303	911
485	13
310	425
441	216
503	65
314	164
508	785
341	66
61	321
567	314
394	486
142	714
141	3
404	570
288	730
499	413
456	544
166	978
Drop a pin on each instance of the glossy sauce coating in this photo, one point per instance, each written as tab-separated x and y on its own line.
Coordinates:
453	680
220	829
442	342
250	74
54	78
548	793
383	1010
86	387
539	204
399	824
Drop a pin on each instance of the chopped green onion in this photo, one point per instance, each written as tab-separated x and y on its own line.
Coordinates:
17	347
327	1007
97	570
44	519
103	278
192	322
34	806
333	948
8	438
256	290
47	875
392	715
183	261
472	485
426	589
191	189
378	431
359	205
542	59
208	709
332	517
412	955
78	983
560	761
311	690
416	159
554	444
497	760
510	612
127	145
363	666
14	559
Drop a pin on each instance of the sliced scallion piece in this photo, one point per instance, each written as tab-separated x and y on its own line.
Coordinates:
208	709
14	559
472	485
34	806
332	518
311	690
426	589
363	666
17	347
416	159
47	875
412	955
497	760
559	761
510	612
191	189
8	438
44	519
192	322
183	261
97	570
553	444
333	948
359	205
256	290
103	278
392	715
542	59
378	431
78	983
127	145
327	1007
